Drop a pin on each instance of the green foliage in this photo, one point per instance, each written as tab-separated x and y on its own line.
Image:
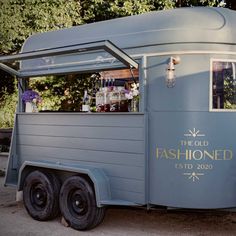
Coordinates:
6	83
97	10
18	20
21	18
50	90
229	90
189	3
64	93
8	108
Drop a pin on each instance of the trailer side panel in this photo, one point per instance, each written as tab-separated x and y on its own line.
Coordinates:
112	142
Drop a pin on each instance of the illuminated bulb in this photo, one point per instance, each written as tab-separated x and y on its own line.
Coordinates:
170	74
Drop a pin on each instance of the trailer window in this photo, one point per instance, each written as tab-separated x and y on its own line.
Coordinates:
223	85
105	91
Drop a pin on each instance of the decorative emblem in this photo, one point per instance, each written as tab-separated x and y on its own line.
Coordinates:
193	176
194	133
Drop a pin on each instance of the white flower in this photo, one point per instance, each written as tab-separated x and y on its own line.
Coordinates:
135	93
134	89
129	95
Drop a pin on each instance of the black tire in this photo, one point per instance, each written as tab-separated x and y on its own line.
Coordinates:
78	204
41	195
99	217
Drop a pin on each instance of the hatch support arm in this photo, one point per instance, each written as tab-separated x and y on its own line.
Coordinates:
120	55
9	70
78	48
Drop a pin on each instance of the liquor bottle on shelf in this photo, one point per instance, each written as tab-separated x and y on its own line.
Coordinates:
100	98
112	87
115	100
86	101
123	100
106	93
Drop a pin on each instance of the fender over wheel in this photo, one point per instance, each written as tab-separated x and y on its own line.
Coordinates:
78	204
40	195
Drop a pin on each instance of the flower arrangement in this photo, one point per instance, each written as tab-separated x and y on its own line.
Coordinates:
133	97
30	96
133	93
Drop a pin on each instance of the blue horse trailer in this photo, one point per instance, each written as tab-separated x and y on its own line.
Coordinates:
177	150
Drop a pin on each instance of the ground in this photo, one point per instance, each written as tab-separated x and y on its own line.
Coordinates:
14	221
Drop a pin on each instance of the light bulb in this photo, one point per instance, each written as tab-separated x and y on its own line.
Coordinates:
170	74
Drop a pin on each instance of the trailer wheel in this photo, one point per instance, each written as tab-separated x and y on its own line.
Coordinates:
40	195
78	204
99	217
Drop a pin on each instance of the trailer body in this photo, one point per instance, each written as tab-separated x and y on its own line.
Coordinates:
179	150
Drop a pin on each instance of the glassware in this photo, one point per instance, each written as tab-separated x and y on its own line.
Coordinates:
103	97
86	101
115	100
100	101
123	106
106	99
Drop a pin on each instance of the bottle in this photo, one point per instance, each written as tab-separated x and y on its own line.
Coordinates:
106	97
86	106
114	100
123	102
100	98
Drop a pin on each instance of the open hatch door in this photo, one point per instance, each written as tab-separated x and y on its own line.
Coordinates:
86	57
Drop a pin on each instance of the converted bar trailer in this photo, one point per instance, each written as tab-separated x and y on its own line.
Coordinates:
177	151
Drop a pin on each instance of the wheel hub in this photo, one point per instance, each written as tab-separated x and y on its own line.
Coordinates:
78	203
39	195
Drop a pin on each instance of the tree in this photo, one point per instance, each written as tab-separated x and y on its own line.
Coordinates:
189	3
97	10
32	16
65	92
21	18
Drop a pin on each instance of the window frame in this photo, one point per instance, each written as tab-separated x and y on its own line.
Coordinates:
141	62
211	109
